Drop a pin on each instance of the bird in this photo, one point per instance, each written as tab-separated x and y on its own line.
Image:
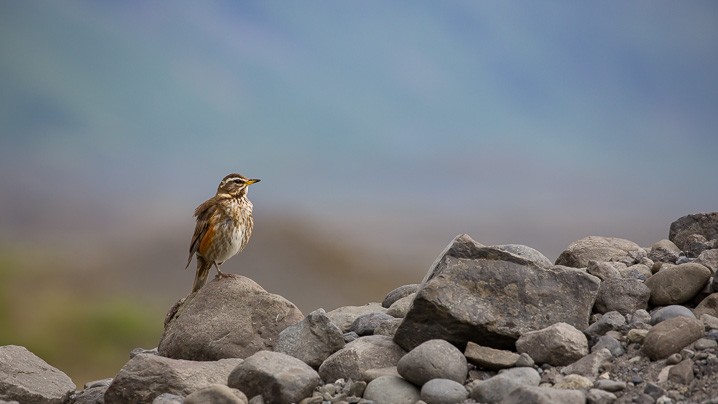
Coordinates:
224	225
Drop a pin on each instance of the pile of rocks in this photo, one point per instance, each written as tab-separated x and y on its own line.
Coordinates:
609	322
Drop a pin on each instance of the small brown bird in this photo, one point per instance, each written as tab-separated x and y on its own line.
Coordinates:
224	225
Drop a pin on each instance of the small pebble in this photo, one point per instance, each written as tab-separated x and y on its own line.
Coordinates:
636	379
674	359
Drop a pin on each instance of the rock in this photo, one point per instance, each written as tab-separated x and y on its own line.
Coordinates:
278	377
624	295
595	248
371	374
610	321
391	389
433	359
490	358
525	360
147	376
636	335
345	316
696	244
705	343
311	340
640	316
709	259
664	251
671	311
443	391
364	353
138	351
610	343
350	336
596	396
677	284
167	398
671	336
710	322
704	224
367	323
544	395
400	307
653	390
491	297
558	345
639	272
496	388
388	327
674	359
231	317
26	378
216	394
682	373
574	382
94	392
527	253
399	293
709	306
590	365
603	270
610	385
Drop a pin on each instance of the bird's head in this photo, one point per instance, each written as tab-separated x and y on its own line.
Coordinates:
235	185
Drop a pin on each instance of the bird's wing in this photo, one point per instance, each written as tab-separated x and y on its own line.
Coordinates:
203	213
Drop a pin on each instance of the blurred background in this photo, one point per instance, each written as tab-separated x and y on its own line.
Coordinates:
380	131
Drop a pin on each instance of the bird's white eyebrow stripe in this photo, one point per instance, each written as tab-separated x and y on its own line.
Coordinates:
226	180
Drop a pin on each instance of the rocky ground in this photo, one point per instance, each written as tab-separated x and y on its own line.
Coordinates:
609	322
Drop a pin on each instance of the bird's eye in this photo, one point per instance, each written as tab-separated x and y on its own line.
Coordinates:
239	181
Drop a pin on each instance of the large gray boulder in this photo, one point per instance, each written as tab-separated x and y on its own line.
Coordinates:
544	395
491	297
231	317
147	376
704	224
26	378
597	248
278	377
311	340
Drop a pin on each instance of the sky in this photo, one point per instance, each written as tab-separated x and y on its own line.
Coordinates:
396	124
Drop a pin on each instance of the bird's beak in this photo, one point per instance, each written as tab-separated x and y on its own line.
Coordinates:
252	181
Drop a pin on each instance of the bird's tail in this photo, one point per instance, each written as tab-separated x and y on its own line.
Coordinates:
200	278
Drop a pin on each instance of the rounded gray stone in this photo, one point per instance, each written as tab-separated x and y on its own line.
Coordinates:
367	323
443	391
677	284
360	355
278	377
671	336
399	293
391	389
496	388
671	311
433	359
216	394
558	345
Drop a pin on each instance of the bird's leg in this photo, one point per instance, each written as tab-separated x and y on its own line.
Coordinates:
220	274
